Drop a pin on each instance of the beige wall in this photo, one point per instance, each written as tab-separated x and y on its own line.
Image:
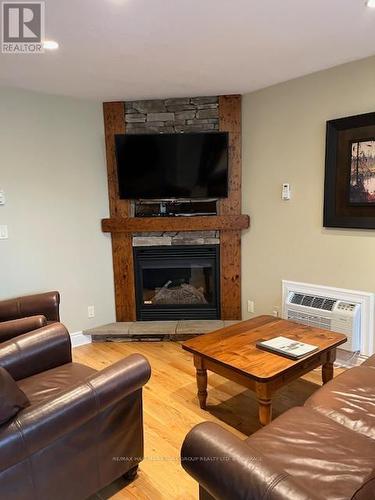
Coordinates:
52	168
284	141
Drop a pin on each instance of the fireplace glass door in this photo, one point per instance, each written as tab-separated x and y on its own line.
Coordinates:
177	282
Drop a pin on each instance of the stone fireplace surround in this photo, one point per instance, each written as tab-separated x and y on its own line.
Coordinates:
193	114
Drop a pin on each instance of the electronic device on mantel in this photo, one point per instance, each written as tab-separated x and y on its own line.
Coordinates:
175	208
173	174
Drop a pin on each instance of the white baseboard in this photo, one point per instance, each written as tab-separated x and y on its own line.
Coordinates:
78	339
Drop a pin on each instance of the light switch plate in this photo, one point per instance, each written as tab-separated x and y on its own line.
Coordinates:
3	232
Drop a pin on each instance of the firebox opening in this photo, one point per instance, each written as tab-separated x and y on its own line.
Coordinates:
177	283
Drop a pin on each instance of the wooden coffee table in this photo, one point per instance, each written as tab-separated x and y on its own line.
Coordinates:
232	353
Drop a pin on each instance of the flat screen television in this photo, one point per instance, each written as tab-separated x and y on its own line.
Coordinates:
172	166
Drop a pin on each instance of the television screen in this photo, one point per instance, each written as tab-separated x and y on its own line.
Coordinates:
164	166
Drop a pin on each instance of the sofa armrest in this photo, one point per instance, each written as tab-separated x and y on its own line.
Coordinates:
120	379
39	425
227	467
46	304
15	327
36	351
370	362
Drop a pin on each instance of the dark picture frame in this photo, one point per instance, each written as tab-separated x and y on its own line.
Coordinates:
349	192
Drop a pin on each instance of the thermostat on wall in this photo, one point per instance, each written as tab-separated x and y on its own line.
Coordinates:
285	194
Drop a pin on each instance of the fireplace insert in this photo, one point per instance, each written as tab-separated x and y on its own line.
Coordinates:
174	282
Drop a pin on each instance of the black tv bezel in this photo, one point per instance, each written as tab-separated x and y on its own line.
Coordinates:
213	132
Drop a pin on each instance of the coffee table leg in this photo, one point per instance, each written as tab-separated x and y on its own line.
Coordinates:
201	381
327	368
202	387
265	403
327	372
265	411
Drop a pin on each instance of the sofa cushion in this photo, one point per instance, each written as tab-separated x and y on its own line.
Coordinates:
12	398
47	384
369	362
349	399
325	457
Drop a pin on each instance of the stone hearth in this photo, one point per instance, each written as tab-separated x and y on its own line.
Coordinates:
154	330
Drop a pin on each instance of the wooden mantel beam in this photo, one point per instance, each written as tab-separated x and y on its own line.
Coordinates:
204	223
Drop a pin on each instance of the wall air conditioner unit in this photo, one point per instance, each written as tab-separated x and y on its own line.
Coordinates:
328	313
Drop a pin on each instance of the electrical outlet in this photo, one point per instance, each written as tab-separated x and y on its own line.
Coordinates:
91	311
276	311
2	197
3	232
250	306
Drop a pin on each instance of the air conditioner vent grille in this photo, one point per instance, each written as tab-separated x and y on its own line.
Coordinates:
307	300
318	302
313	301
297	298
328	304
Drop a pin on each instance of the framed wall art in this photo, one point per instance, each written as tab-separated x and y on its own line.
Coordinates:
349	191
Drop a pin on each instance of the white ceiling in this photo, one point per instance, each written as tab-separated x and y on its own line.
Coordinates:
127	49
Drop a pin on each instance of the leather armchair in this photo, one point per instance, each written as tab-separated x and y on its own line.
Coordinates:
28	313
45	304
15	327
83	428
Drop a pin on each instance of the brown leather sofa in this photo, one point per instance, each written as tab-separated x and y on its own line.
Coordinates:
24	314
82	429
324	450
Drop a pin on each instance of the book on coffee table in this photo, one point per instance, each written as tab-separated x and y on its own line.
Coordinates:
287	347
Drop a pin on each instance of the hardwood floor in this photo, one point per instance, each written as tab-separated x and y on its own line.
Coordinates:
171	409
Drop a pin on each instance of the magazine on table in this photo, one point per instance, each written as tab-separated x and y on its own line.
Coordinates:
287	347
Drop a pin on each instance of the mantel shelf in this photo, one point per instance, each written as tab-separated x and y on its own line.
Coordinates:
199	223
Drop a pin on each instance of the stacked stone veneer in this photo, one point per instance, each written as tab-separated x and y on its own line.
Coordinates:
176	238
179	115
186	114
